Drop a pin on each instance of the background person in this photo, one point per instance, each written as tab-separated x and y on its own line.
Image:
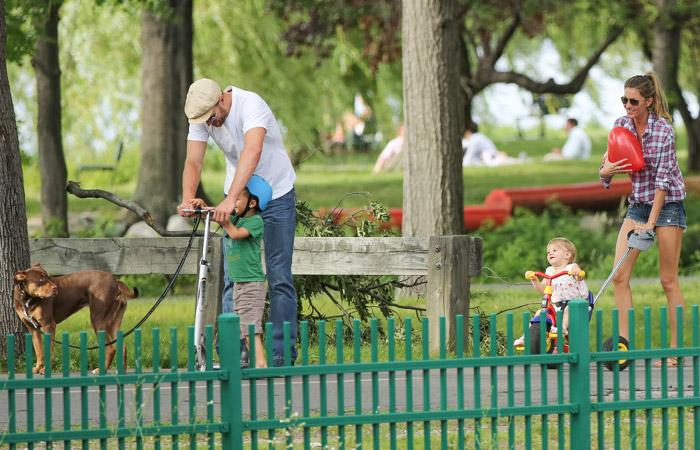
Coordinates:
479	150
389	158
244	128
656	201
577	146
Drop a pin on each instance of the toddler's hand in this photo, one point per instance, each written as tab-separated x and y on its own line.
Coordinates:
575	272
529	274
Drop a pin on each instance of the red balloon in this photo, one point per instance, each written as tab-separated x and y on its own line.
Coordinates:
622	143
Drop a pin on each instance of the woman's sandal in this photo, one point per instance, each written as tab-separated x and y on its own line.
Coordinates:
671	361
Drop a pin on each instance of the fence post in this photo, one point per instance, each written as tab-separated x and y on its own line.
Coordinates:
231	401
579	375
215	281
451	261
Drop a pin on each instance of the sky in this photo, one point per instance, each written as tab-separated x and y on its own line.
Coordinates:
509	104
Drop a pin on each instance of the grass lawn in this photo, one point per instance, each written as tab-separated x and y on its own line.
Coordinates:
177	313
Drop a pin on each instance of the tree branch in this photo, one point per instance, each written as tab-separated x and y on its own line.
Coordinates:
74	188
347	315
550	86
503	41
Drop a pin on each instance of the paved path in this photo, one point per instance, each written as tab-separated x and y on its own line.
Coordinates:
349	397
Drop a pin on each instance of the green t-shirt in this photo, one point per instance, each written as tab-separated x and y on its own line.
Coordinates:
244	256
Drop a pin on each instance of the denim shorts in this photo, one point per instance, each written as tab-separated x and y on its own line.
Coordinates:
672	214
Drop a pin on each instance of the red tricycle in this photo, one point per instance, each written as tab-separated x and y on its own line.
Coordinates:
551	316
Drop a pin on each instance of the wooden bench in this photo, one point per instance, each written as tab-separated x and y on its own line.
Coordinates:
447	262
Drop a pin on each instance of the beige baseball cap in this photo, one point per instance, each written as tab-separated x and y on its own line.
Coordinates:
202	97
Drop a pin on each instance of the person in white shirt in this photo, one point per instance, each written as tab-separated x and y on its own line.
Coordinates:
388	158
577	146
244	128
479	150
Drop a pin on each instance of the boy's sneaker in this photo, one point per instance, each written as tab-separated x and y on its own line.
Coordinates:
244	358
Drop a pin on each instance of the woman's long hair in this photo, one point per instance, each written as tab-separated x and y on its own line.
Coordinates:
649	86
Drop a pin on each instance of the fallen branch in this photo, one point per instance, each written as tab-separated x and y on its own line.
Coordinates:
74	188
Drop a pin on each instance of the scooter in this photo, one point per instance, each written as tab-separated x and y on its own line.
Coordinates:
199	338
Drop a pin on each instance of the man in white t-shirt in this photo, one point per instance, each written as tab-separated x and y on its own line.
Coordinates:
244	128
577	146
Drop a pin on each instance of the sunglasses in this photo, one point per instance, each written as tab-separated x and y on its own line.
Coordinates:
634	101
213	116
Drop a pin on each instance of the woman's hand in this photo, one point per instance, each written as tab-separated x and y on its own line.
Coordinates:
640	227
614	168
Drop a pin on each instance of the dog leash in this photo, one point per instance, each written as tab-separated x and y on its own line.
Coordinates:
197	219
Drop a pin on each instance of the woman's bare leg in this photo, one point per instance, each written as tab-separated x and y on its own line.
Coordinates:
670	239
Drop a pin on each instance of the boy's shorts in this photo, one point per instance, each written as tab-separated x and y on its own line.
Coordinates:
672	214
249	304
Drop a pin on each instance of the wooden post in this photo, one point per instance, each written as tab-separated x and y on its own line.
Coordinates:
451	261
215	281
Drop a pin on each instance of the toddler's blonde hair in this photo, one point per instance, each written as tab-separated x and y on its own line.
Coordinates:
566	245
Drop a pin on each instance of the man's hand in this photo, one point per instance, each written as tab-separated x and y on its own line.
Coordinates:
224	210
190	204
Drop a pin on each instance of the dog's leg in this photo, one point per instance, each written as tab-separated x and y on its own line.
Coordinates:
38	351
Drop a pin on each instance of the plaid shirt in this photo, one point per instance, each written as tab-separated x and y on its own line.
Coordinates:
660	169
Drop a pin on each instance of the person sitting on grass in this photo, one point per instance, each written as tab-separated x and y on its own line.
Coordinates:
243	251
479	150
561	254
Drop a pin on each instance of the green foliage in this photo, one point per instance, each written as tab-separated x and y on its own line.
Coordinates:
23	19
354	296
520	244
53	228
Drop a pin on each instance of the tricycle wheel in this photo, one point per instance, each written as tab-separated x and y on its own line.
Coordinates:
623	346
535	339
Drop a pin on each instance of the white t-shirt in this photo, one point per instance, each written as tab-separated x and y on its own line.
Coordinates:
479	150
578	145
249	110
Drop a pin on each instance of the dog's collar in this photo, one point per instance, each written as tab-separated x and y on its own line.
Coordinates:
26	298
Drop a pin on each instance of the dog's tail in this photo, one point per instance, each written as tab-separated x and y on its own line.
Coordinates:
124	289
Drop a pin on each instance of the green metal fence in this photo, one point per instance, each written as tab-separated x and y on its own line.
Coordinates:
405	398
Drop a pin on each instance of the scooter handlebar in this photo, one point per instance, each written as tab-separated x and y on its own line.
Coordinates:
199	211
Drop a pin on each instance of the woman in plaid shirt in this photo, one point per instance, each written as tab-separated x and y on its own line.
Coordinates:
658	191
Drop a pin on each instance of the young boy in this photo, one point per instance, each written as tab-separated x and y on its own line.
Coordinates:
243	253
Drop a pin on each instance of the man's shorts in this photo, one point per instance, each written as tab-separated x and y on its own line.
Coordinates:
249	304
672	214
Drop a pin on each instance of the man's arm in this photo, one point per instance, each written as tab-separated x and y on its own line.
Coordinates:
191	174
250	156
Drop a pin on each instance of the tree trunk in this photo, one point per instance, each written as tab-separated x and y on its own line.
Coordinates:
666	56
52	164
13	221
433	113
693	129
166	75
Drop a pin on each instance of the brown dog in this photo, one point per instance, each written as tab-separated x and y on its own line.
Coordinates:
42	302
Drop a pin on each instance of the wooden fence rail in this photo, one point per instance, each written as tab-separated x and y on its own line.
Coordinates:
447	262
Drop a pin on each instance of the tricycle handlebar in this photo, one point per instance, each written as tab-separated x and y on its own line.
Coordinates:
531	275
